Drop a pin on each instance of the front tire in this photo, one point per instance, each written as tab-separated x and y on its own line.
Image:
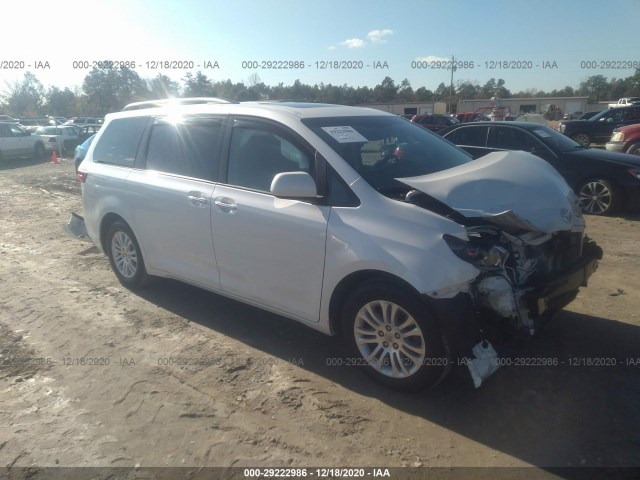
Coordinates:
598	197
125	256
581	138
393	336
634	149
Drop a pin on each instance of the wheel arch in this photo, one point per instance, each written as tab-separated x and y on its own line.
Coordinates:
106	222
352	281
631	143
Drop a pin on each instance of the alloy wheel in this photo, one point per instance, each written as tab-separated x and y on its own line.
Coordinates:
125	256
389	339
596	197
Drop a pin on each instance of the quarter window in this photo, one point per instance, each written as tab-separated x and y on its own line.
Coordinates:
119	143
257	155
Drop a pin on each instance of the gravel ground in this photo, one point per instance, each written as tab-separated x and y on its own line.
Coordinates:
94	375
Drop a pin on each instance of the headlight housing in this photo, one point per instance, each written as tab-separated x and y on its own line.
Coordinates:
617	136
482	256
635	172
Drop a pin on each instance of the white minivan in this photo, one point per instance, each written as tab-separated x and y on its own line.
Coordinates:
350	220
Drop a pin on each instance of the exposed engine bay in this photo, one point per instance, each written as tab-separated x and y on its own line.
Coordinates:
526	275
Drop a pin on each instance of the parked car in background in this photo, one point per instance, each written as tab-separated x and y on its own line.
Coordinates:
464	117
625	102
598	129
350	220
61	138
81	151
572	116
84	121
87	131
625	139
32	124
16	142
588	115
434	122
604	181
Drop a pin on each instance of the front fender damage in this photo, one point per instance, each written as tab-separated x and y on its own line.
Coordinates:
540	274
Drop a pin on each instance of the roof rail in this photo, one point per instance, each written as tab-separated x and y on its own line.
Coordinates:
174	101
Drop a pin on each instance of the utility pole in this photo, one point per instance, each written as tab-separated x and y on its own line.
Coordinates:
453	62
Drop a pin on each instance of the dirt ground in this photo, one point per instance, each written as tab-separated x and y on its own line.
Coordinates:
94	375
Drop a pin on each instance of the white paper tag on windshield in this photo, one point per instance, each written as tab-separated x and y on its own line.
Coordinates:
344	134
542	133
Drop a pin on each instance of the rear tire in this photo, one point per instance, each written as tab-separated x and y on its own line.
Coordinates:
598	197
125	256
391	334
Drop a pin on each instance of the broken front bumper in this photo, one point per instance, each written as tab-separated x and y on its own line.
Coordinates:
559	290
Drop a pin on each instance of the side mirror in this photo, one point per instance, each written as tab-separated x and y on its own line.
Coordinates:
293	185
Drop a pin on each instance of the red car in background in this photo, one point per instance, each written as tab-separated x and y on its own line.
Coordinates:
625	139
434	122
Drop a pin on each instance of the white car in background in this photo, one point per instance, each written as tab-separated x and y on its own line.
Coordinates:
352	221
15	142
61	138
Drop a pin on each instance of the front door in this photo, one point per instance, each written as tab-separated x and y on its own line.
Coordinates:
269	250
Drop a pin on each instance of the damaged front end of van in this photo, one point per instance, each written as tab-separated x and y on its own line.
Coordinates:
525	234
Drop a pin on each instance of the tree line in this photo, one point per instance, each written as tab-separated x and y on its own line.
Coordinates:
108	90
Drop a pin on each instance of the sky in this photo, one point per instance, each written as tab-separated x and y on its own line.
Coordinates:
510	39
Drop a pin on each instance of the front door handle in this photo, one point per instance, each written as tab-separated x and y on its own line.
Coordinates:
225	204
197	199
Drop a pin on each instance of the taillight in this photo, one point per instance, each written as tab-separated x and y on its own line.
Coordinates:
82	176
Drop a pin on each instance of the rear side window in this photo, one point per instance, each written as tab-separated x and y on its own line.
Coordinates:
190	148
119	143
513	139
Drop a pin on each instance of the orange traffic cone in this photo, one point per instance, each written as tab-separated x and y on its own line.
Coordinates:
54	158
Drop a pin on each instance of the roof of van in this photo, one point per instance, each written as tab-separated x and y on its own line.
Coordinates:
298	109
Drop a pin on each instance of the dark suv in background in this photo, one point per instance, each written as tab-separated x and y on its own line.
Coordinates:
598	128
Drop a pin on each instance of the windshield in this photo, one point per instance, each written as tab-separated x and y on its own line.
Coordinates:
599	115
555	140
383	148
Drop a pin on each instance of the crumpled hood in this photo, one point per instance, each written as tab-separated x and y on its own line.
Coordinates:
515	182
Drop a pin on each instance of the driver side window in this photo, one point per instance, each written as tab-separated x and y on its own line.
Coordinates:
257	155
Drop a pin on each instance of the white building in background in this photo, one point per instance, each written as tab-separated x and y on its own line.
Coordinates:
408	109
541	105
